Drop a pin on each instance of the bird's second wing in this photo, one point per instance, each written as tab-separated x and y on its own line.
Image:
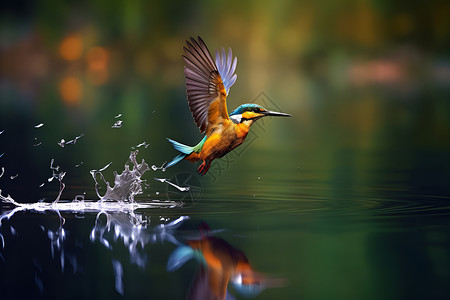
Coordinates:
226	65
205	88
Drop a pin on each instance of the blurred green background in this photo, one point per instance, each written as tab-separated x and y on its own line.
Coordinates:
358	76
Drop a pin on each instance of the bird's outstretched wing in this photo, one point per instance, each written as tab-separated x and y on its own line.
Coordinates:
207	83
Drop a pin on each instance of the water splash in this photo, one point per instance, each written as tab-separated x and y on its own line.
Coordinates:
62	143
110	229
143	144
162	168
127	185
37	143
57	238
118	274
58	176
94	174
133	231
117	124
123	224
2	239
120	197
180	188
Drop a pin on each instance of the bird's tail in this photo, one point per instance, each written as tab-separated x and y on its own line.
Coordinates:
179	257
185	150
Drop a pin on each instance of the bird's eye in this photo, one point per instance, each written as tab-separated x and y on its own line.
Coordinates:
257	110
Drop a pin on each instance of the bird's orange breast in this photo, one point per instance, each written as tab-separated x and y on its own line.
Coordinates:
221	141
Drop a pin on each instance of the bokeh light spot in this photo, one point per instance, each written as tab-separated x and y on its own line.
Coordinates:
70	89
97	59
71	47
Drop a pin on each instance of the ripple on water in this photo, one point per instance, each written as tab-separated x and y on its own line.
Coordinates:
364	203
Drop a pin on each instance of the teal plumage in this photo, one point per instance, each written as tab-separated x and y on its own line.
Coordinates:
185	150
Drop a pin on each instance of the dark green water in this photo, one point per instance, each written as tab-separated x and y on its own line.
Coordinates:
338	235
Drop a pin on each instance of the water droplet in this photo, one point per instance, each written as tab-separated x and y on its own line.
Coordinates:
143	144
259	178
162	168
37	143
180	188
63	142
117	124
39	125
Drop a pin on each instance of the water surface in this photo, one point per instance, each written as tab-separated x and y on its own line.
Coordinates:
329	238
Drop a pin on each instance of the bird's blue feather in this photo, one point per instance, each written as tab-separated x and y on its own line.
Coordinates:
182	148
179	257
182	255
245	107
248	290
175	160
226	66
185	150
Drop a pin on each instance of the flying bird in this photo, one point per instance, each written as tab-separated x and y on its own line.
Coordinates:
208	83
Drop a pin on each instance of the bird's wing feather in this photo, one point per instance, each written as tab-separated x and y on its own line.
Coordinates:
205	87
227	66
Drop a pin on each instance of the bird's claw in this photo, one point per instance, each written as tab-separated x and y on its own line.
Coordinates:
203	168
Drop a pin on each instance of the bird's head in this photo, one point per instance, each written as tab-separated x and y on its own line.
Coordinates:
248	113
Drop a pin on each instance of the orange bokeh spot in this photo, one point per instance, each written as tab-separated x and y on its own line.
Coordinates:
97	58
70	89
71	47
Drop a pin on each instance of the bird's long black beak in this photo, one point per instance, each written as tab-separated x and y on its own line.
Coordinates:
276	114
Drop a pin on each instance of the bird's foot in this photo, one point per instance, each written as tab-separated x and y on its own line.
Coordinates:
204	167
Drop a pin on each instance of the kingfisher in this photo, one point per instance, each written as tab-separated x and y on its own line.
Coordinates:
208	83
221	264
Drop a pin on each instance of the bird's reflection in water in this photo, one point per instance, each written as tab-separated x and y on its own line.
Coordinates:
220	265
